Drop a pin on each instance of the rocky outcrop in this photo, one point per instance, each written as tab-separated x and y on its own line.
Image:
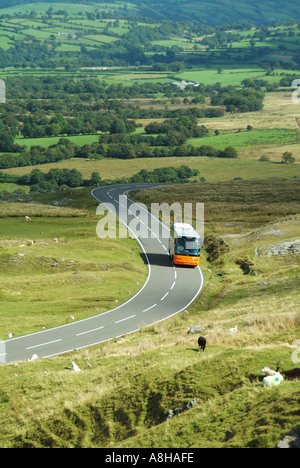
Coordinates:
281	249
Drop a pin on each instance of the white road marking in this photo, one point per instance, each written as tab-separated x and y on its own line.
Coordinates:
43	344
127	318
89	331
173	285
149	308
164	296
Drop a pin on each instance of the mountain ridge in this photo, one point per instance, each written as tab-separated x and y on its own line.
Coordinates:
211	13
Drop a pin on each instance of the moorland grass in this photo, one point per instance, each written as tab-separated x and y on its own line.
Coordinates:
55	266
213	169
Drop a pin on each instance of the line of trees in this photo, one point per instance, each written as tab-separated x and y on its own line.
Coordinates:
56	178
165	175
65	149
144	150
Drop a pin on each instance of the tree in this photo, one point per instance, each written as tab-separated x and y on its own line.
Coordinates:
6	141
95	178
288	158
36	177
229	152
117	126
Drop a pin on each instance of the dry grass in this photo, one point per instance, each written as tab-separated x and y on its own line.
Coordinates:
273	153
279	112
19	210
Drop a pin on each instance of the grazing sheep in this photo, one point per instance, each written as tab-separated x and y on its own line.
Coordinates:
27	218
268	372
34	357
272	379
202	343
74	367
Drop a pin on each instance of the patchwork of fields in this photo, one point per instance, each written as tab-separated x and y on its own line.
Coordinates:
104	76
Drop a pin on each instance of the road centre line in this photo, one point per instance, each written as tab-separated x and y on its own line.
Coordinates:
164	296
149	308
173	285
43	344
89	331
127	318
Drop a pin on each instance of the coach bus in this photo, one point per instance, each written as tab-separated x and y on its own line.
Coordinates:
184	245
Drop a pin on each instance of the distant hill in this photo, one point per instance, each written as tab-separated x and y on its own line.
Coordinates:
209	12
219	12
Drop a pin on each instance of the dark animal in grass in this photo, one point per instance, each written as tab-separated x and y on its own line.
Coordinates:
292	374
201	343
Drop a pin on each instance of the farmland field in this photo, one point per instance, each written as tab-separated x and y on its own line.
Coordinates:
210	168
228	77
243	139
46	142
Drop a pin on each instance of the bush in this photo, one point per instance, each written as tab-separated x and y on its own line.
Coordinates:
229	152
288	158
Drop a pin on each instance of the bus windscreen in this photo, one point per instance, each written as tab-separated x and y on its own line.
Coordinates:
187	246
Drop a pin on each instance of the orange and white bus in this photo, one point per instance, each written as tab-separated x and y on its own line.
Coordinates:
184	245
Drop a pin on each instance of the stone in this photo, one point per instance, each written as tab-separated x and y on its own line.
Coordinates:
290	440
197	329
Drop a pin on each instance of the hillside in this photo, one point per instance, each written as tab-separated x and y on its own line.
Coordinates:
76	37
122	396
220	12
211	13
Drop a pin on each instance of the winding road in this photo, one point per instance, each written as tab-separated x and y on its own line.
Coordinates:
167	291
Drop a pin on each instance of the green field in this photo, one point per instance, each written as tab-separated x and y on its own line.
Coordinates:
80	140
44	7
228	77
253	138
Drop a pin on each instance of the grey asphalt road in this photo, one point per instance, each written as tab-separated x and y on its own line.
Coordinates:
167	291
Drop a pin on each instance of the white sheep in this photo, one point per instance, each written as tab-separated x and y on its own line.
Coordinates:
272	379
74	367
34	357
27	218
